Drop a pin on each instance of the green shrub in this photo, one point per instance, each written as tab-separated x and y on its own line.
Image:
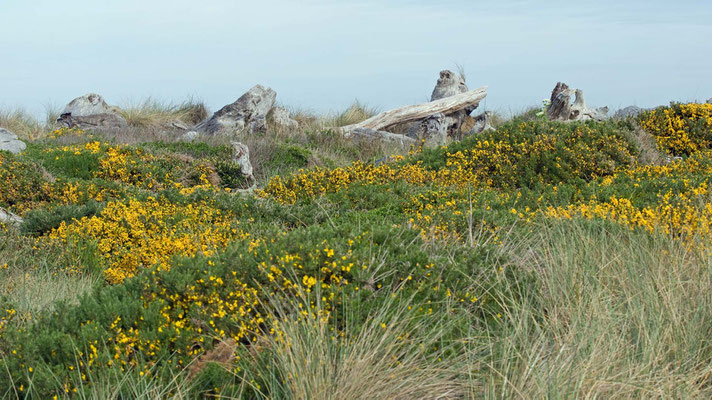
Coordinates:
42	220
193	149
68	161
231	175
21	183
538	152
291	156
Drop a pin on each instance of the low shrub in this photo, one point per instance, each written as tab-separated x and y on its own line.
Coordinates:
680	129
42	220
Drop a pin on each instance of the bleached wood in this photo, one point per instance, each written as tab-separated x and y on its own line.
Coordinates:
415	112
561	108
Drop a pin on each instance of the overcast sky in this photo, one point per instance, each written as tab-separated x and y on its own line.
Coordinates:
321	55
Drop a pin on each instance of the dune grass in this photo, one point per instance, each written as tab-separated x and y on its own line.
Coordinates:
24	125
395	354
151	112
614	314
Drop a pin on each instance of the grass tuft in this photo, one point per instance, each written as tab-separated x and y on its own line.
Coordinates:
151	113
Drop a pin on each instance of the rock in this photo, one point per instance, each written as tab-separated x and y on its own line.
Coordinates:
6	217
190	136
482	124
89	104
372	134
384	160
672	159
91	112
176	124
242	158
561	108
249	112
98	121
282	119
630	111
10	142
709	101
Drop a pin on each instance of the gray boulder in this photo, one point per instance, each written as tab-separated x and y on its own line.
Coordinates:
89	104
282	119
190	136
630	111
6	217
242	158
372	134
10	142
91	112
249	112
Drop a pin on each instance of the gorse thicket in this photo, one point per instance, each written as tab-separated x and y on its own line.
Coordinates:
184	264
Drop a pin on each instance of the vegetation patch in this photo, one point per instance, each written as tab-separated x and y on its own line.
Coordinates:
539	259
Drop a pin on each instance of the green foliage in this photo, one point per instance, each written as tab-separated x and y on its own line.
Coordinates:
291	156
42	220
680	129
231	175
462	245
74	162
193	149
531	153
21	182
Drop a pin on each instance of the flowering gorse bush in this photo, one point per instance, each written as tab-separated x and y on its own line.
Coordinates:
680	129
137	234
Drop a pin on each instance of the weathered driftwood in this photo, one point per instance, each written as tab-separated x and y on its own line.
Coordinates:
561	108
482	124
370	134
415	112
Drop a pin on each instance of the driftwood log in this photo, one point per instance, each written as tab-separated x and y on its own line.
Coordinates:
561	108
447	105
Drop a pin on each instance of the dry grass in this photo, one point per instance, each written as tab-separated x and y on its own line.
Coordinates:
354	114
21	123
35	279
614	314
154	113
389	357
648	147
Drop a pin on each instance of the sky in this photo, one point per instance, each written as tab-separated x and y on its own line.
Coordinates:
320	56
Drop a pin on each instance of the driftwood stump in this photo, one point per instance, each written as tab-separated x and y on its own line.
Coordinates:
561	108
